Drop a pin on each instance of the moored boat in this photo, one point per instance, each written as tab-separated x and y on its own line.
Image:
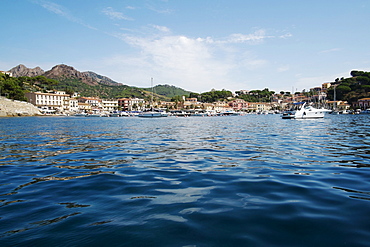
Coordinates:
305	111
153	114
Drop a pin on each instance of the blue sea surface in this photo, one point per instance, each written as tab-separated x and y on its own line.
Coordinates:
254	180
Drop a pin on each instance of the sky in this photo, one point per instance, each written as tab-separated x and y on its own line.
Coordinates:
197	45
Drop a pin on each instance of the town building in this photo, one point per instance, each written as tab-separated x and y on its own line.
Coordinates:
93	101
221	106
326	85
259	106
84	107
7	73
128	104
238	104
71	105
110	105
338	105
363	103
54	100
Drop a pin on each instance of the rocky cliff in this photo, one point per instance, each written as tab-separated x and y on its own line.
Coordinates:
22	70
101	79
11	108
62	72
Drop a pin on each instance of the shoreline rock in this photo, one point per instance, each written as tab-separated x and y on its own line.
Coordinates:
15	108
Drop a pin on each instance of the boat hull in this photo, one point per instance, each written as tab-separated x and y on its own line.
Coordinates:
152	115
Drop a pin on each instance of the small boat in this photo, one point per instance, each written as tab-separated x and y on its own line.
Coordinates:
305	111
367	111
178	113
229	113
288	115
202	113
153	114
93	115
81	114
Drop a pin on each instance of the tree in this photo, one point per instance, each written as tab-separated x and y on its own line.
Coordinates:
12	88
69	91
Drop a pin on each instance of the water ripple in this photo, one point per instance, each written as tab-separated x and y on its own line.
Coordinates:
230	181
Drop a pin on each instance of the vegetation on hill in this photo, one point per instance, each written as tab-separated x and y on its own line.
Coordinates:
168	91
258	95
346	89
100	90
16	87
212	96
351	89
11	87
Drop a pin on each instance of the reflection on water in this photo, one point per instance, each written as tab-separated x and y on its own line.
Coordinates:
184	181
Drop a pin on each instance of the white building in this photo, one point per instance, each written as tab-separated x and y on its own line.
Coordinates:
110	105
7	73
94	102
53	100
71	105
129	104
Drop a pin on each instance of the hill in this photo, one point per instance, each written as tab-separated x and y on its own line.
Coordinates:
351	89
87	83
168	90
22	70
101	79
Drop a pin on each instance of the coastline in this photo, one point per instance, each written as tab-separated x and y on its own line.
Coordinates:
15	108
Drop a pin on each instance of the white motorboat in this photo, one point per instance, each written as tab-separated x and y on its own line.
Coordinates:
306	111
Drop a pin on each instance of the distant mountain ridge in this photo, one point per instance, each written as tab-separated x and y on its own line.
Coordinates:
101	79
22	70
92	84
62	72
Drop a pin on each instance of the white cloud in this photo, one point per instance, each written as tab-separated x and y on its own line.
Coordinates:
197	64
283	68
55	8
61	11
257	36
161	28
112	14
192	63
285	36
330	50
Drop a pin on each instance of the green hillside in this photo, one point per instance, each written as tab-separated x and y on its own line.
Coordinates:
168	91
100	90
351	89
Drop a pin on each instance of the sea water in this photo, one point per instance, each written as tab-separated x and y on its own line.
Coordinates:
254	180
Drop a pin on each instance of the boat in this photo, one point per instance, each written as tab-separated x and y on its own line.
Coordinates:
178	113
367	111
152	113
288	115
229	113
81	114
304	112
201	113
93	115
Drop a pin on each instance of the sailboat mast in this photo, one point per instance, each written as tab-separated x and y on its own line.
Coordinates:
152	91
